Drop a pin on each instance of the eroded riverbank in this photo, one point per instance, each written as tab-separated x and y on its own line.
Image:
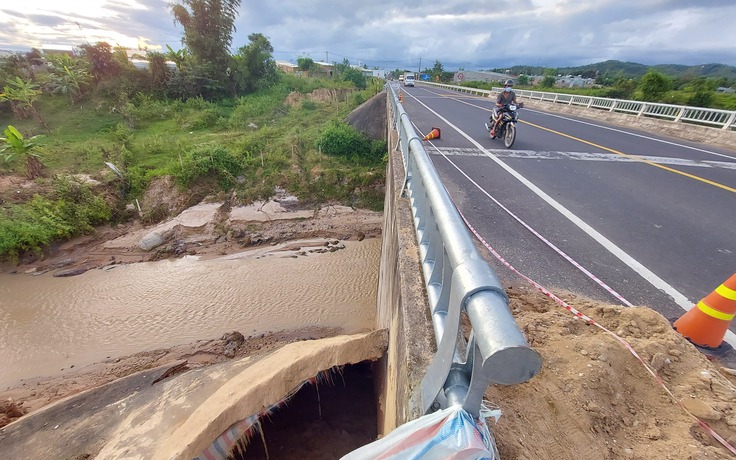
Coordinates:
52	325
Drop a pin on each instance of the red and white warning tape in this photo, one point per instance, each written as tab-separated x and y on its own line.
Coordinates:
590	320
570	308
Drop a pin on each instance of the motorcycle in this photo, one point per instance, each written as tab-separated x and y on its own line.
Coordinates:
506	128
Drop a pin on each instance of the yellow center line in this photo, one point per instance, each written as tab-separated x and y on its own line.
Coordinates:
635	158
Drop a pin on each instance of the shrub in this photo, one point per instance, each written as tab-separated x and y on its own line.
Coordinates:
29	227
137	180
198	103
253	107
146	108
342	140
359	98
79	204
610	92
200	119
217	164
701	99
724	101
653	86
121	133
73	210
308	106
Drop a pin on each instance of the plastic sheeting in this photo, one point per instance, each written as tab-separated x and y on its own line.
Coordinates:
450	433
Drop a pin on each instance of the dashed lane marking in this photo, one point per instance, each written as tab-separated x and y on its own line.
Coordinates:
585	156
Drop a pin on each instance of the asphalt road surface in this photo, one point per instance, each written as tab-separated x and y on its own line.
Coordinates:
653	218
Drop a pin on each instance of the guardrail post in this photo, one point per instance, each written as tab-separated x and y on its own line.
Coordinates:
680	114
730	122
642	110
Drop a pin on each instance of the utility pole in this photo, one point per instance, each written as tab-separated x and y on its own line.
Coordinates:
419	70
327	57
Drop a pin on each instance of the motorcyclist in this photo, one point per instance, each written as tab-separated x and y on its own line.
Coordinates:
506	97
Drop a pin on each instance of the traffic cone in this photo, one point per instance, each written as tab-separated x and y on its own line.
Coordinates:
401	97
434	134
706	324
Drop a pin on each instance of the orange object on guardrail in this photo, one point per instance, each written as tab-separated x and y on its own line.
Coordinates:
706	324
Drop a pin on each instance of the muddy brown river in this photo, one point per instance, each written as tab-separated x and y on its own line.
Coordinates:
48	324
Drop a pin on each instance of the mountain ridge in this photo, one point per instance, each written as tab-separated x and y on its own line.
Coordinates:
615	68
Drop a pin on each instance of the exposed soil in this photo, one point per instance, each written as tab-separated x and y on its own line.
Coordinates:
208	230
593	399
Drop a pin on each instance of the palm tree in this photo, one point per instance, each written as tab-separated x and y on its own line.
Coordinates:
16	144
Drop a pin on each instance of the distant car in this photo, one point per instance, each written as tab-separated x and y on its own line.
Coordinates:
401	78
409	80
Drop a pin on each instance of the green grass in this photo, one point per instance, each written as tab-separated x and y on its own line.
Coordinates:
71	209
199	143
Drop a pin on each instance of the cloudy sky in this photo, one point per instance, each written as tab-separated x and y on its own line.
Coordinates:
467	34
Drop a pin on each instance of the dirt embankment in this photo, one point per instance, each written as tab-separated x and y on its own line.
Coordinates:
594	399
207	229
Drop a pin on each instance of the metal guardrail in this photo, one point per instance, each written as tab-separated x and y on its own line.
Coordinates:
724	119
457	279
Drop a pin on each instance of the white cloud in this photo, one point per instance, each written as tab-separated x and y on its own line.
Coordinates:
458	33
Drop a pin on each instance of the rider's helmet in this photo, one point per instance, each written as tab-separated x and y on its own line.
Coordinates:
509	82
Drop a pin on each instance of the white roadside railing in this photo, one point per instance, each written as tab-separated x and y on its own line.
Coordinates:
724	119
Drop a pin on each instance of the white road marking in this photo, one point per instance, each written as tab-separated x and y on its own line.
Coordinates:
662	141
649	138
588	156
619	253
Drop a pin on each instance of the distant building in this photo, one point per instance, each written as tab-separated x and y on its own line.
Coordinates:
324	68
57	50
570	81
287	66
376	73
474	75
725	89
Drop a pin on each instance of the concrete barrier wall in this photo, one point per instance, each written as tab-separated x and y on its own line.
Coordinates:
402	305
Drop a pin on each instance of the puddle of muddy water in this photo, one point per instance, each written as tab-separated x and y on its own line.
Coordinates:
48	324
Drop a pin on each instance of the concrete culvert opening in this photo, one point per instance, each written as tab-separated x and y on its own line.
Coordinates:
329	416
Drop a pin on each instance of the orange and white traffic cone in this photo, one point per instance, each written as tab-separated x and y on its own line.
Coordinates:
434	134
401	97
706	324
